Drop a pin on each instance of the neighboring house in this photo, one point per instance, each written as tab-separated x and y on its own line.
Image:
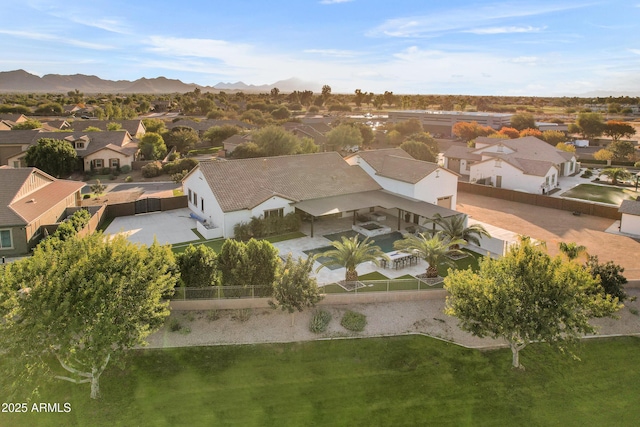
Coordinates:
14	118
202	126
29	199
58	124
525	164
225	193
630	220
6	125
234	141
302	130
134	127
96	150
396	171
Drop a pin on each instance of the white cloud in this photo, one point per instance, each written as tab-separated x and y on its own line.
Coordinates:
505	30
636	51
58	39
532	60
463	19
332	52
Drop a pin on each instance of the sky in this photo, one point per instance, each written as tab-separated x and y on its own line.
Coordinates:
531	47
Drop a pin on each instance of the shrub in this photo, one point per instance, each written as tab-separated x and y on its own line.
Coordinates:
174	325
636	164
125	169
151	170
177	177
86	196
241	315
179	165
113	177
128	179
353	321
586	174
213	315
320	321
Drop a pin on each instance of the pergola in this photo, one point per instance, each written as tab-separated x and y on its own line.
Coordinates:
368	199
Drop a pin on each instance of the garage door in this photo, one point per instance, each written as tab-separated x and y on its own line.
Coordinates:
445	202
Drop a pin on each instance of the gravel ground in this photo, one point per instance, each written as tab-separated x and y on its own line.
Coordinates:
265	325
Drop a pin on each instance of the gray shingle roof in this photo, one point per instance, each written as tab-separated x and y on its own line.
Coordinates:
631	207
244	184
396	163
116	140
460	152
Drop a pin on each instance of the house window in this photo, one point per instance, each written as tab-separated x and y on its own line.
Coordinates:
467	166
547	181
498	163
5	239
189	195
79	145
98	163
202	204
115	163
274	213
195	198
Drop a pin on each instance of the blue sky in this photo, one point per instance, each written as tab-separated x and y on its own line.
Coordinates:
528	47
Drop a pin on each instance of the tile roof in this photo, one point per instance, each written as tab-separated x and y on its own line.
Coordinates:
460	152
26	209
116	140
131	126
397	164
631	207
244	184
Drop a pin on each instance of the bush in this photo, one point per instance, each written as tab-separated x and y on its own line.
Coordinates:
353	321
179	165
86	196
241	315
177	177
128	179
174	325
151	170
125	169
113	177
636	164
261	227
586	174
320	321
213	315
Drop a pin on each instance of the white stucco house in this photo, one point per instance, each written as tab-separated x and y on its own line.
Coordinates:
630	219
526	164
224	193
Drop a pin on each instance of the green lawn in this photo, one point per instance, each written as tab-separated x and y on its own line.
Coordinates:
411	380
216	244
600	193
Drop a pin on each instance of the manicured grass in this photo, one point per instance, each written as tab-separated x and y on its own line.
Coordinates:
178	192
216	244
210	150
411	380
601	193
470	261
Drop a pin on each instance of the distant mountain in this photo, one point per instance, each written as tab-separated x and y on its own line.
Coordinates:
22	81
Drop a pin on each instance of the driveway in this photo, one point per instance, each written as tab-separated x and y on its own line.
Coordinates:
167	227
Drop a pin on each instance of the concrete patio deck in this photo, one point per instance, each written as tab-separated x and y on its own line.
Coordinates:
171	227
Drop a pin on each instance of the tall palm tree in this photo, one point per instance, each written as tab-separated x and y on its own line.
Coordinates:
434	250
453	228
615	174
572	250
350	253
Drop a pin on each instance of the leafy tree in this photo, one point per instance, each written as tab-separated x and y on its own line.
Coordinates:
553	137
261	266
615	174
183	138
98	188
512	133
253	116
572	250
523	121
342	136
603	154
281	113
154	125
72	225
531	132
92	129
307	145
569	148
247	151
409	127
82	302
622	150
295	289
434	250
366	132
232	262
152	146
591	125
52	108
275	141
610	276
326	93
468	131
217	134
617	129
53	156
527	296
350	253
454	228
26	125
198	266
114	126
419	150
394	137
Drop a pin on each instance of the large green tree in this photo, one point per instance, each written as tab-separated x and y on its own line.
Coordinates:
217	134
295	288
523	121
152	146
610	276
435	250
350	253
198	266
622	150
527	296
343	136
182	138
616	174
53	156
419	150
275	141
82	302
590	125
455	228
617	129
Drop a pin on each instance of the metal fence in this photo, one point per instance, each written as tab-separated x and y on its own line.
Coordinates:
248	292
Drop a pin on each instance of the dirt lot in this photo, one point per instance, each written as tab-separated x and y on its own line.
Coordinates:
555	226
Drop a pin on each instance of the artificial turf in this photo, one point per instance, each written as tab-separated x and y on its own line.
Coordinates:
600	193
411	380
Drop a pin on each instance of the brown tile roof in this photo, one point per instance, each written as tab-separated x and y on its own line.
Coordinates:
29	207
631	207
98	140
244	184
396	163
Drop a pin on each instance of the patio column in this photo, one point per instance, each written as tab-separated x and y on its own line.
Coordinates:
312	225
399	217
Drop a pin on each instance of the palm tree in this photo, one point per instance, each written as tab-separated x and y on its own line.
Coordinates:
434	250
572	250
615	174
453	228
350	253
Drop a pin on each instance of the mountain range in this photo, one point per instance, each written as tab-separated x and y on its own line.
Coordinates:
22	81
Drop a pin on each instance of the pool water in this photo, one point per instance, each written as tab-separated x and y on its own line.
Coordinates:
384	241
